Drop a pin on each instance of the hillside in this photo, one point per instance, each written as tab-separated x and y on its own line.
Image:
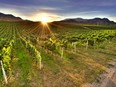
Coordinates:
9	17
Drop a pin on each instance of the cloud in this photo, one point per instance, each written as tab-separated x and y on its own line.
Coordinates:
61	8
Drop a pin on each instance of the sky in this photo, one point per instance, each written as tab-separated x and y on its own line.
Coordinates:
59	9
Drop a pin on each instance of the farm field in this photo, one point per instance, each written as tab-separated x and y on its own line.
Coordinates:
33	54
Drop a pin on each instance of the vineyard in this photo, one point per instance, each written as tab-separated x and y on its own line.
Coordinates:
52	55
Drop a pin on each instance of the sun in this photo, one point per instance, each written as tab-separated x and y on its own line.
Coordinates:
45	19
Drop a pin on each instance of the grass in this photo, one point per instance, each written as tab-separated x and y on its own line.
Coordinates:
81	66
23	64
48	60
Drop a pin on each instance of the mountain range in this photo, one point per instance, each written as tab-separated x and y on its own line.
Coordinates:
97	21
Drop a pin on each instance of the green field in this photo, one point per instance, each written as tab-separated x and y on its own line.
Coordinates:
54	54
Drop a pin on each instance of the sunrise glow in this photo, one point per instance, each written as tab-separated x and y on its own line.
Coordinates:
45	20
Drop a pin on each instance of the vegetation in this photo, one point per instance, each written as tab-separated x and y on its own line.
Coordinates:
55	54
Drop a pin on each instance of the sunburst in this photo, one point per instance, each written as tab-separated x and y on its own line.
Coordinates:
44	20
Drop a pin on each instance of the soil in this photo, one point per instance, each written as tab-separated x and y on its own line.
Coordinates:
108	79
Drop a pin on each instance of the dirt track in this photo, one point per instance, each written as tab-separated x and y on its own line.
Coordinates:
107	79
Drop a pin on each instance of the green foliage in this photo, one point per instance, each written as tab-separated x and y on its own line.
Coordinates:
32	50
6	55
93	38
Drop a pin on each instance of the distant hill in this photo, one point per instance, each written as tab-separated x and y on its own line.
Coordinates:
96	21
9	17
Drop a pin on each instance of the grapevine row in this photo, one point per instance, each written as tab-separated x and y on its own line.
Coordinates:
33	51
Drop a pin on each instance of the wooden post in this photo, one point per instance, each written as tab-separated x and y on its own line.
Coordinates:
62	52
87	45
75	47
40	65
94	43
3	71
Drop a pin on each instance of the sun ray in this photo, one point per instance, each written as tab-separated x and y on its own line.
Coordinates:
50	30
59	26
32	30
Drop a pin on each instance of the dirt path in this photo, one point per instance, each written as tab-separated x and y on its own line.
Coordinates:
108	79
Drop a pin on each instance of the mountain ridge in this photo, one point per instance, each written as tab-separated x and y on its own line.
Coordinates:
9	17
96	21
